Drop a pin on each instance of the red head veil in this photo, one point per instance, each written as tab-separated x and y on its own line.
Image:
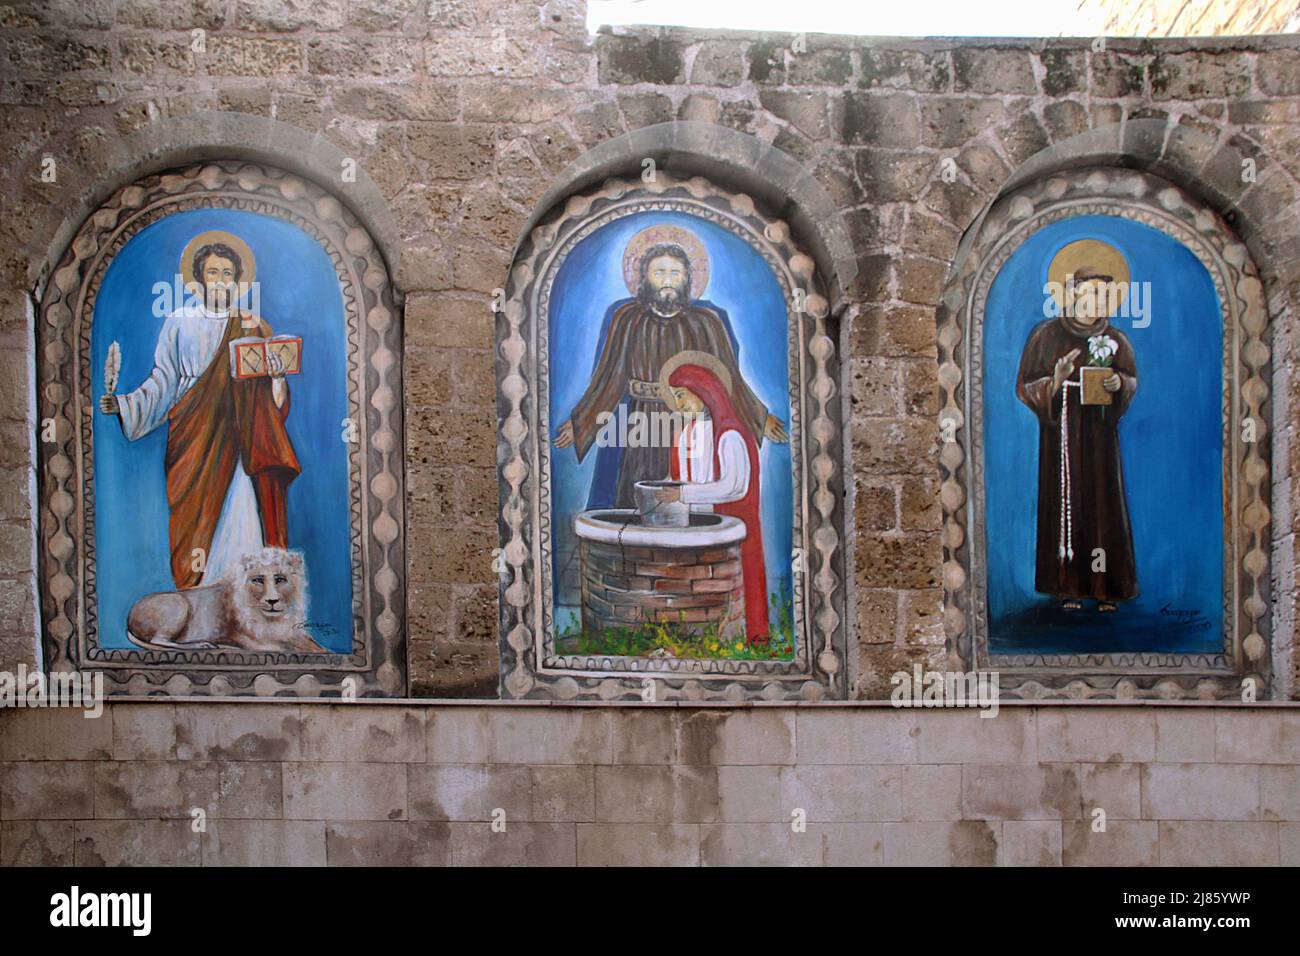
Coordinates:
706	385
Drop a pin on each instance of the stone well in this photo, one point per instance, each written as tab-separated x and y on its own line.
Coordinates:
634	574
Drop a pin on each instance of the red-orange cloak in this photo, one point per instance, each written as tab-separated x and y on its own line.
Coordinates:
221	423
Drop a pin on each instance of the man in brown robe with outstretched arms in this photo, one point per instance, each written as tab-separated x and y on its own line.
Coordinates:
645	332
1081	501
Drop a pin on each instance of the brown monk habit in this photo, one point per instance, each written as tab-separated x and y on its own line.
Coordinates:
219	424
1097	512
637	345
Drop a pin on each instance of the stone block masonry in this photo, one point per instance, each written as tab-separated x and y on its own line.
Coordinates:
314	784
462	114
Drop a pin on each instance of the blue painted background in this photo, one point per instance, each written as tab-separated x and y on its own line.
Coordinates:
742	284
299	296
1170	446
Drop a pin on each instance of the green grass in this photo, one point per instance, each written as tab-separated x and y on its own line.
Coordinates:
674	638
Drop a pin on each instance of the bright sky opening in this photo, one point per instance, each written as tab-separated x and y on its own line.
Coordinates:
1012	18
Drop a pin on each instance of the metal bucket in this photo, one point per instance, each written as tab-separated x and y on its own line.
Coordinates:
661	514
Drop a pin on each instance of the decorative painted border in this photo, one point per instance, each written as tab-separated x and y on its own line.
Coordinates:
530	668
377	663
1013	219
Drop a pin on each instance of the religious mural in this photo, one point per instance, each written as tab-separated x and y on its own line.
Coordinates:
1122	385
675	432
229	451
1111	444
676	462
211	446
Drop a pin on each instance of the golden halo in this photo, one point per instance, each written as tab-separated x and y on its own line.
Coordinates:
653	236
246	258
1094	253
692	357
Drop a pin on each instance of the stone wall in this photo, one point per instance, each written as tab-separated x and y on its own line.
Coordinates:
462	113
283	783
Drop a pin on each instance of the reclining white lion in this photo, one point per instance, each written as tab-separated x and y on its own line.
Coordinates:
261	606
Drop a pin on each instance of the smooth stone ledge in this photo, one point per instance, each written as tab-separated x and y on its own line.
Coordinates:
724	531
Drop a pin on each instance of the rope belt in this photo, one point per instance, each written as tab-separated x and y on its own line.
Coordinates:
646	391
1066	550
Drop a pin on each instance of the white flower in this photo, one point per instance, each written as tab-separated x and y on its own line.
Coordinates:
1101	348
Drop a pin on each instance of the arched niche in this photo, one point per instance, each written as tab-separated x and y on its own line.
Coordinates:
595	603
116	512
1046	648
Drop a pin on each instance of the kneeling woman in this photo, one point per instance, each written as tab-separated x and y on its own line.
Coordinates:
717	458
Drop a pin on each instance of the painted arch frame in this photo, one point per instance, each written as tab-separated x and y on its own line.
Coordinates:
1152	201
531	667
376	666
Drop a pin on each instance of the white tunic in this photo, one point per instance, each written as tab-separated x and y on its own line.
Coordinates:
695	466
187	345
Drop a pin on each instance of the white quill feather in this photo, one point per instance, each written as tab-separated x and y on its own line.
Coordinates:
112	365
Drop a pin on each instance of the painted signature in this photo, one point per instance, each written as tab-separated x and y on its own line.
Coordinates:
1185	619
320	626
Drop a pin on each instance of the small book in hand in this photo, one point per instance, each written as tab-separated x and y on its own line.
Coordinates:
1094	393
249	357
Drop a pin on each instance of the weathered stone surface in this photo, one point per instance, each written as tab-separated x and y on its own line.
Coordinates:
992	71
843	793
638	844
1116	74
965	843
137	843
1064	71
476	735
520	844
718	63
856	737
1121	843
918	70
1031	843
176	789
265	843
1279	72
627	60
1193	76
713	737
1096	735
963	736
383	843
374	734
656	794
36	843
1010	792
1191	843
55	734
1200	792
470	792
245	732
45	790
334	791
1114	788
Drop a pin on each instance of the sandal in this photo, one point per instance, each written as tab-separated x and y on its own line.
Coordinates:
1072	606
1106	607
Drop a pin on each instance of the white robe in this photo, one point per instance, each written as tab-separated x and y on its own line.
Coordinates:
187	345
703	489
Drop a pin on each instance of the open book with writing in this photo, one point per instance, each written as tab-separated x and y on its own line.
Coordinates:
249	357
